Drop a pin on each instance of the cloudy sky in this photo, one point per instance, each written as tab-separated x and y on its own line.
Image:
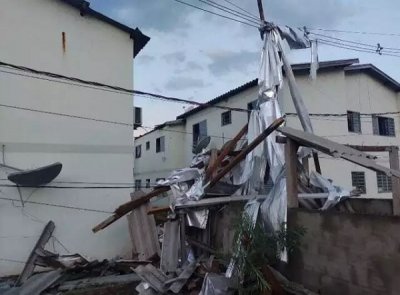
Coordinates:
195	55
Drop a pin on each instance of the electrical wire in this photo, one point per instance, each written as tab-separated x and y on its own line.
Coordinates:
244	10
230	11
217	14
115	88
354	32
57	205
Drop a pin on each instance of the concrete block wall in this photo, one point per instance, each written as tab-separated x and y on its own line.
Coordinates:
344	253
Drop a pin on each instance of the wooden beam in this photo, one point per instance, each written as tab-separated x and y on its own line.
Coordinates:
40	244
128	207
394	164
291	173
229	148
371	148
261	10
246	151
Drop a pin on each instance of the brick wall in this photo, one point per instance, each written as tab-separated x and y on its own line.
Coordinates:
345	253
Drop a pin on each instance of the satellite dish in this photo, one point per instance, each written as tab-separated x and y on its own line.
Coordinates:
201	145
36	177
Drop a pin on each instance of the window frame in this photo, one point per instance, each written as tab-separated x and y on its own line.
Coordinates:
354	118
138	184
138	151
160	144
198	132
148	181
378	123
354	184
226	118
147	145
385	180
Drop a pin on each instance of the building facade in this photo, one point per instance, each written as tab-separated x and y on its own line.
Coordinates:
340	101
44	120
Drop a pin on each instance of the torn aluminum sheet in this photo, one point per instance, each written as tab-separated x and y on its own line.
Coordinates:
197	218
216	284
273	209
296	38
153	276
178	283
314	60
336	193
251	210
180	175
200	160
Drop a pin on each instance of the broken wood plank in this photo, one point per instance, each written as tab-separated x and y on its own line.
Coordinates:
291	173
99	281
180	281
36	284
143	231
129	206
394	165
170	247
157	210
229	148
40	244
246	151
207	202
336	150
153	276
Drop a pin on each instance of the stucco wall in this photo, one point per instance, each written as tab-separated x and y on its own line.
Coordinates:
334	91
346	253
152	165
91	152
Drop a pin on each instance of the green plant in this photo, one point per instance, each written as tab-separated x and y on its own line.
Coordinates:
255	249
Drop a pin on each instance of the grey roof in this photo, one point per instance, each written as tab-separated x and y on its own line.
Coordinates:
298	68
376	73
84	8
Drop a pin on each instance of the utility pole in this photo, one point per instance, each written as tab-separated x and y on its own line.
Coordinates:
294	90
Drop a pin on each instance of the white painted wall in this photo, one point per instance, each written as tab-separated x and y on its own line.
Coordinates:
332	92
30	34
152	165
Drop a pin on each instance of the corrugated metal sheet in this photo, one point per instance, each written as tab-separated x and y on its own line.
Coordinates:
170	247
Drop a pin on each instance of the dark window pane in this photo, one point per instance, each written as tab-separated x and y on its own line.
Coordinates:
226	118
147	145
354	122
199	131
160	144
384	182
138	151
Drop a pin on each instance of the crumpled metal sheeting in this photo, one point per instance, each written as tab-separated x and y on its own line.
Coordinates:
335	193
180	175
269	112
296	38
270	72
217	284
197	218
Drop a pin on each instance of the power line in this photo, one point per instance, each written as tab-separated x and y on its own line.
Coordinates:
57	205
354	32
217	14
65	115
358	49
230	11
116	88
244	10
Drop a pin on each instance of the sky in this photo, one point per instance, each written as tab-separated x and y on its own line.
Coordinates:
196	55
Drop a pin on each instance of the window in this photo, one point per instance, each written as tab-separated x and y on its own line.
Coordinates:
199	131
383	126
252	106
147	145
138	184
160	144
358	181
226	118
159	179
384	182
147	183
353	122
138	151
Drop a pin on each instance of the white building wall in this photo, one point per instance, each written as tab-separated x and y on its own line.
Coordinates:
332	92
152	165
92	152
